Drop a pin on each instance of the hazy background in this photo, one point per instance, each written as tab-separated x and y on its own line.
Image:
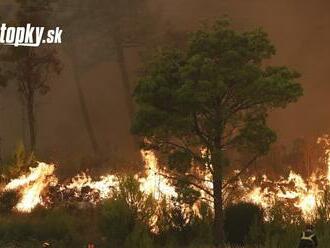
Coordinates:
299	30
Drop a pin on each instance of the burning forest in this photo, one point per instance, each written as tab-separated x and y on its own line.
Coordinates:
300	197
140	128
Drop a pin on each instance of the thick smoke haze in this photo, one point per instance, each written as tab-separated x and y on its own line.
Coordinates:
298	29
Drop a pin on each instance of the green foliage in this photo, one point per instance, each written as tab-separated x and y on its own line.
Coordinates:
125	218
142	205
186	193
182	229
216	85
139	238
244	224
55	225
58	226
180	161
215	94
117	222
16	228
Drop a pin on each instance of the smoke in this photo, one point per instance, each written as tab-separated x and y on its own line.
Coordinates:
299	31
297	28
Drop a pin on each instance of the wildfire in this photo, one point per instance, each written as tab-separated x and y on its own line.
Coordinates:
303	195
32	185
154	183
104	186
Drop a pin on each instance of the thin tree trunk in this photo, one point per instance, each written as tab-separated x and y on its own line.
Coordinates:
31	122
23	109
120	57
218	229
85	114
218	214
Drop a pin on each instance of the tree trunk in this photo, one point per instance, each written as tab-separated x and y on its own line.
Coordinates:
24	114
31	122
85	113
218	232
120	57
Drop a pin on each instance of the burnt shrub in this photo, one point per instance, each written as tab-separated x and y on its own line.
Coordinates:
244	224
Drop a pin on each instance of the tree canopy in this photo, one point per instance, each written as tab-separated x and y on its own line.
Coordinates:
216	93
213	96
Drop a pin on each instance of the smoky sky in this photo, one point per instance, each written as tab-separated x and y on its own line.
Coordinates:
298	29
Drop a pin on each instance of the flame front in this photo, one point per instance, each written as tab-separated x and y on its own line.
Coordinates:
303	195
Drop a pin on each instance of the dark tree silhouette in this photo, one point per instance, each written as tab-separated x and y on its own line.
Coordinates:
29	67
101	31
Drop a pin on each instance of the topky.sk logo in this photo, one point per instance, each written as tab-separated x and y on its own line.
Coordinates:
29	36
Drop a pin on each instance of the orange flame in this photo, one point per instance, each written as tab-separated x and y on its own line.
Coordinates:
303	194
32	185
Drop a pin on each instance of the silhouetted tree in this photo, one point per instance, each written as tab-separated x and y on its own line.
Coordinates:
213	96
128	23
101	31
85	49
30	67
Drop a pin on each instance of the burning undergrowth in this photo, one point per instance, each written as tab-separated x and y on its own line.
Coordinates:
300	197
41	187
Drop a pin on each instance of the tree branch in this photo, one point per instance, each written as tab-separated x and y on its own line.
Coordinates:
234	178
184	148
188	182
199	132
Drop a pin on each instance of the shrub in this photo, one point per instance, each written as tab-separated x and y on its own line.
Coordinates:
182	229
139	237
15	228
239	220
55	225
117	221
